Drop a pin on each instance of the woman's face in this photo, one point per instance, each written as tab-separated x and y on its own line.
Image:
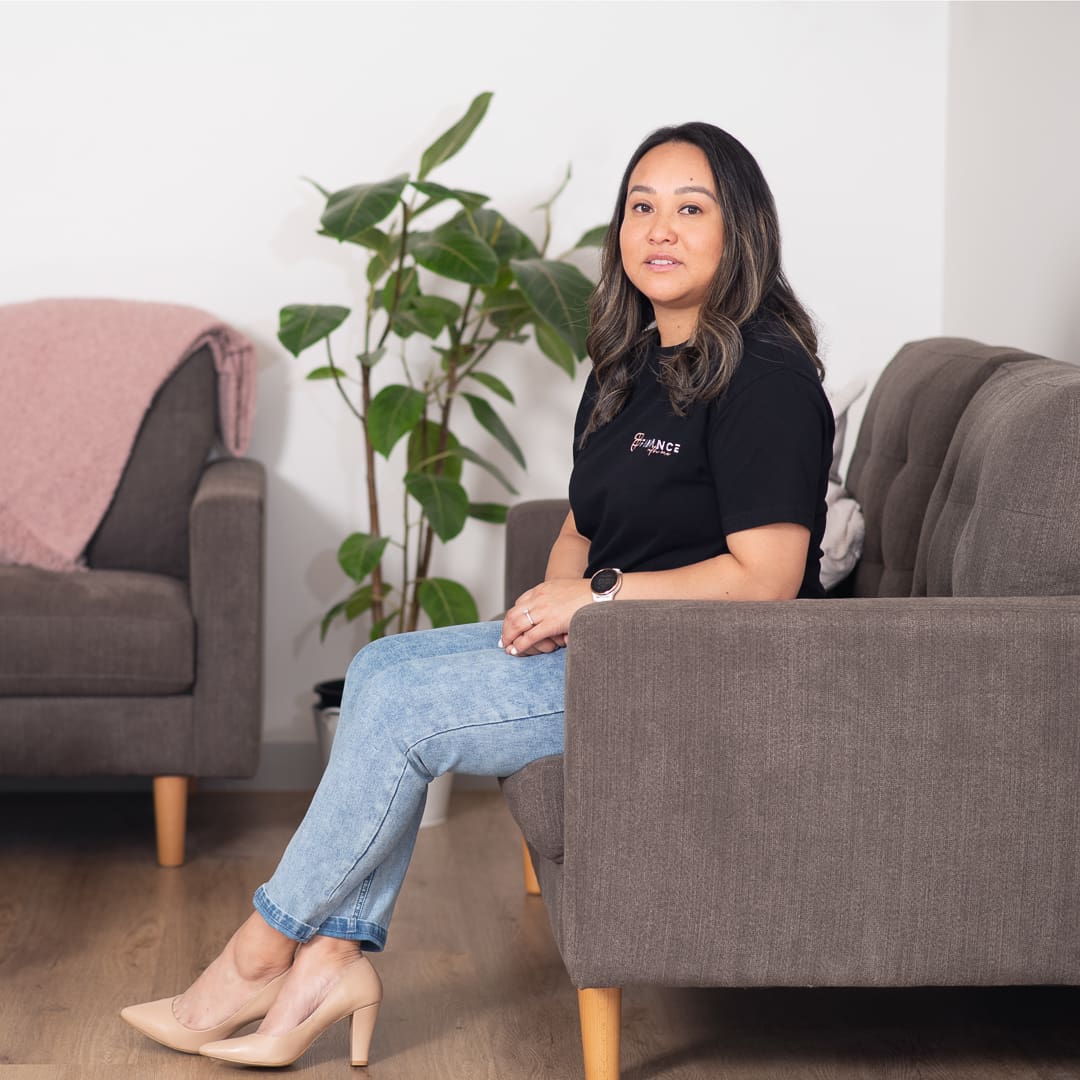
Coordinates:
672	234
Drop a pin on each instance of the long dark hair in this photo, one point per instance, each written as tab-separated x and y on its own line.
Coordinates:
749	281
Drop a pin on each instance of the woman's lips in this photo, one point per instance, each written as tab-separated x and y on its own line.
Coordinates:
662	263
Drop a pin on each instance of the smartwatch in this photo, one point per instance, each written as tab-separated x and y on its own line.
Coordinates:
605	584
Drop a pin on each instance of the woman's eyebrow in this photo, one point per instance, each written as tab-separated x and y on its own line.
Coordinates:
688	189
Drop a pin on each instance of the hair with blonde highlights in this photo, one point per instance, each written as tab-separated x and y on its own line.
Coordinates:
749	281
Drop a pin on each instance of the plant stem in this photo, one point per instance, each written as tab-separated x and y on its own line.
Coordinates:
341	389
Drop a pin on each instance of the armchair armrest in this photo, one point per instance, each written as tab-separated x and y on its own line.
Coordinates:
847	792
227	552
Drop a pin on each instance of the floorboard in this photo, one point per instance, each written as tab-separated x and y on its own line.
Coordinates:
474	985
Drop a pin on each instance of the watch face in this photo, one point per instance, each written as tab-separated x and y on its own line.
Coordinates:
603	580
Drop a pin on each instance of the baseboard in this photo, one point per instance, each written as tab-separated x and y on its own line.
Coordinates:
283	766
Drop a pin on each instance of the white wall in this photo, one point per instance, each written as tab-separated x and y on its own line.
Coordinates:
1012	239
154	151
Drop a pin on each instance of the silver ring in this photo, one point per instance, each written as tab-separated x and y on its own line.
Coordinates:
532	622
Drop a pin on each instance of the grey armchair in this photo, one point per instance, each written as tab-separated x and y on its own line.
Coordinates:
149	663
878	790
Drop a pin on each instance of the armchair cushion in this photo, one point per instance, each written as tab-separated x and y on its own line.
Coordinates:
535	797
99	633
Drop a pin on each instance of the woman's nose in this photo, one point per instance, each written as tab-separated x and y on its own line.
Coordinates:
661	229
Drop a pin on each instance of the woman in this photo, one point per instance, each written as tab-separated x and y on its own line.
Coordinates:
702	451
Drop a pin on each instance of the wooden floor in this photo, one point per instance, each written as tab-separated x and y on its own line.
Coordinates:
474	987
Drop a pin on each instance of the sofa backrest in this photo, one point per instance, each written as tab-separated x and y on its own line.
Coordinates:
146	525
1004	518
903	440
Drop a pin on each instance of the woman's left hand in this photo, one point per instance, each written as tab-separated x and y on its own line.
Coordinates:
540	618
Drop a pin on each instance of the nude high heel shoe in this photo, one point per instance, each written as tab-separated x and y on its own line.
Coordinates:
358	994
157	1020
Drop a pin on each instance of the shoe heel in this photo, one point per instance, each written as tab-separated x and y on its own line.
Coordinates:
362	1027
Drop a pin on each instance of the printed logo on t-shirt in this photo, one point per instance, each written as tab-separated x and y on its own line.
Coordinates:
652	445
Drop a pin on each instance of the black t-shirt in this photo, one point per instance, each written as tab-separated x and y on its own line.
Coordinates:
655	491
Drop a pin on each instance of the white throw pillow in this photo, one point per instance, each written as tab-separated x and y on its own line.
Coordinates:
842	543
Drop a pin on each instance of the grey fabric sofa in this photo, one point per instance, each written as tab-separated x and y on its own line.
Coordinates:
149	663
873	790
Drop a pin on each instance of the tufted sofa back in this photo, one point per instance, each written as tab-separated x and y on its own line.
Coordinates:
905	435
1004	519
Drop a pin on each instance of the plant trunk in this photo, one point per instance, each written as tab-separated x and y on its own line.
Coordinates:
373	498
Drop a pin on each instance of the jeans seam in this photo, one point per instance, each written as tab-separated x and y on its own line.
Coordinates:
486	723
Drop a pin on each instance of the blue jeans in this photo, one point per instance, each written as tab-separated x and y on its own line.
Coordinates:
415	706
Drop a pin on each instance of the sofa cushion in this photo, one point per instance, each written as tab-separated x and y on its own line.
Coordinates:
535	797
903	439
146	525
1004	519
98	633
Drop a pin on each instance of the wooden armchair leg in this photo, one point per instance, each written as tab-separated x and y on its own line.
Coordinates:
532	886
170	818
601	1021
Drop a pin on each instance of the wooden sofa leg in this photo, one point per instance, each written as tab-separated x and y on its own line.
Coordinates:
532	886
601	1021
170	818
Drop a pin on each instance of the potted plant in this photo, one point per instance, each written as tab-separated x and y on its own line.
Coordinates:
446	269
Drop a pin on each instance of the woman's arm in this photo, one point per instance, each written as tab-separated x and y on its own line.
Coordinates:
569	554
766	563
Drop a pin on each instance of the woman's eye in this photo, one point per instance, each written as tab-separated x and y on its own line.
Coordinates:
690	208
640	208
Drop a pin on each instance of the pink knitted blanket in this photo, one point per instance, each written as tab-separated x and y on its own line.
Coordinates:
76	379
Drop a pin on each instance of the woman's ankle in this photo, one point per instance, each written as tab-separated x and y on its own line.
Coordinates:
259	951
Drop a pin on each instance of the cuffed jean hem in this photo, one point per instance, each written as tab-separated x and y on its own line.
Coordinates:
370	935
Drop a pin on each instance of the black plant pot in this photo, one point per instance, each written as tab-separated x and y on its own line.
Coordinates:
330	693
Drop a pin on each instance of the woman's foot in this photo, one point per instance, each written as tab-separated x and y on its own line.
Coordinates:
254	955
316	970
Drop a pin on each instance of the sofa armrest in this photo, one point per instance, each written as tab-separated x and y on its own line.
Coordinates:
227	552
847	792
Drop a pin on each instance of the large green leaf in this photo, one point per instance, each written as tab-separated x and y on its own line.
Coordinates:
507	240
382	260
594	237
329	617
428	315
352	211
360	553
489	419
301	325
494	384
394	411
444	501
554	347
494	513
409	287
475	458
446	602
373	239
454	138
424	446
378	629
507	309
359	602
559	293
457	255
327	372
436	193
